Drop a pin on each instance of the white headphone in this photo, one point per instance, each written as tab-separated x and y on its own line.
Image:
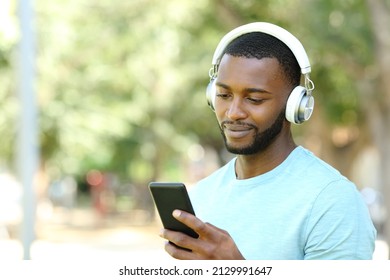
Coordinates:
300	103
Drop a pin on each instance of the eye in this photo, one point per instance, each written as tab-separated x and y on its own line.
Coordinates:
255	100
223	95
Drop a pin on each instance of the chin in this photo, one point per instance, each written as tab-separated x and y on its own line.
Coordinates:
241	150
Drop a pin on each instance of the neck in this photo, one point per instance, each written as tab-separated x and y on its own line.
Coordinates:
248	166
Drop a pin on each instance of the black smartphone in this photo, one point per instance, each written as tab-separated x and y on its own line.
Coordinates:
168	197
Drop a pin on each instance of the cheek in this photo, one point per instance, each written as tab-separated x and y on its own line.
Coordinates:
220	117
265	117
220	111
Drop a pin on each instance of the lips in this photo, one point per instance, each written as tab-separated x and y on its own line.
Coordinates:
236	130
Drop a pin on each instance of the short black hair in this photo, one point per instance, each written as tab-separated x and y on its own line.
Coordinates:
260	45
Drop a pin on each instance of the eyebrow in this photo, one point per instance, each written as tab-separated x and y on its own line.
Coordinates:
247	90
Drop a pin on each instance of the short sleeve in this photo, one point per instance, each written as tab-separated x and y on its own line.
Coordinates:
339	226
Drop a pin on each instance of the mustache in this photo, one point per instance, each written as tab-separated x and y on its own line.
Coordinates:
238	123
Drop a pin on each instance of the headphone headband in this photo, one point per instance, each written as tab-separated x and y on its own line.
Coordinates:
283	35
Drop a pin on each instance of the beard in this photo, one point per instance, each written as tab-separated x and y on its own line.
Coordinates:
261	140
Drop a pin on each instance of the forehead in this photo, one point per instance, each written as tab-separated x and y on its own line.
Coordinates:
251	71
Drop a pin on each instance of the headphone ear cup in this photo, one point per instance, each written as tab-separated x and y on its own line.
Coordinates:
306	108
210	94
299	105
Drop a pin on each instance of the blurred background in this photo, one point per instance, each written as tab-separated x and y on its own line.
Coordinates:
115	98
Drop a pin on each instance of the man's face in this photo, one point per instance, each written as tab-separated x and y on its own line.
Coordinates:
250	103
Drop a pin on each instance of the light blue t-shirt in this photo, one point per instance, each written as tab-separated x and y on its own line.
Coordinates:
302	209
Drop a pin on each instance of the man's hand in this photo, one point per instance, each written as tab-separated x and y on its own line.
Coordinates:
213	243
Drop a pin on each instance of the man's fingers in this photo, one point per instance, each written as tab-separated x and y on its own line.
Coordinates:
191	221
178	238
179	244
205	230
178	252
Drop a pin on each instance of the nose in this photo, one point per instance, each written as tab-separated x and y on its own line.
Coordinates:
236	110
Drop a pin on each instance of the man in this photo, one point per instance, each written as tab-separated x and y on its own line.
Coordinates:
274	200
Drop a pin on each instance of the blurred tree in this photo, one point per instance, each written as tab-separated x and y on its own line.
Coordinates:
8	108
377	105
116	74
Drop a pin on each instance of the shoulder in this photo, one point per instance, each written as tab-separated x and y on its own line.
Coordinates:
339	213
307	160
307	168
323	186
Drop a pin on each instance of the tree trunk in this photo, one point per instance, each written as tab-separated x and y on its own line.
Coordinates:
380	114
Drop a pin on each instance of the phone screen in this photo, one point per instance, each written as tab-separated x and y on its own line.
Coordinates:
168	197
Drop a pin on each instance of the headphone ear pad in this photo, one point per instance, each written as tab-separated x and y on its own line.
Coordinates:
299	105
211	92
